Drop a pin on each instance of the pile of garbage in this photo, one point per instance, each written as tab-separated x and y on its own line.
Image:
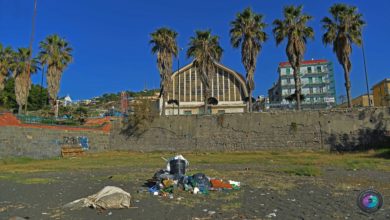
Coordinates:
166	181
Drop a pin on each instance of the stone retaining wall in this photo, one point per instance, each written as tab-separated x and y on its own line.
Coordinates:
314	130
44	143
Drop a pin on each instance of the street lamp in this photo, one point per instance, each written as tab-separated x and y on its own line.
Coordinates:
178	68
365	70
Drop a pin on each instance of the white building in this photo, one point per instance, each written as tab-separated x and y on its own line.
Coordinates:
317	83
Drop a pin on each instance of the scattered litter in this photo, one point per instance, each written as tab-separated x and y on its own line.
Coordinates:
234	183
211	212
165	181
196	190
110	213
205	210
271	215
110	197
219	184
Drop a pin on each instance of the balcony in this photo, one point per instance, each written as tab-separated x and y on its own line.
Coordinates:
315	83
314	73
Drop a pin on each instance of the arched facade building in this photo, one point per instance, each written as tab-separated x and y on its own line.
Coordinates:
186	89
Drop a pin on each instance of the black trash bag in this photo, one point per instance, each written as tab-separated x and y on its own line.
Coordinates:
162	175
200	180
178	167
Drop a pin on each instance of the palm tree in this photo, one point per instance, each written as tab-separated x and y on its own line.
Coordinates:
204	48
55	53
247	31
344	30
6	55
295	29
20	68
164	45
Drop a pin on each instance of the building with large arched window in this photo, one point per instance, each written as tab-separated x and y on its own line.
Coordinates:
185	94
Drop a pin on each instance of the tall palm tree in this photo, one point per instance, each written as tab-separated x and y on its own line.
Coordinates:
294	28
6	54
344	30
204	48
56	54
22	66
164	45
247	31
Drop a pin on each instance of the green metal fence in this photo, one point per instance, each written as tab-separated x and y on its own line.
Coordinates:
29	119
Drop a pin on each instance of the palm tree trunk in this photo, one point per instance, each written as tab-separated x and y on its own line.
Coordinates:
206	107
206	97
52	103
20	110
250	100
163	105
297	80
25	106
348	88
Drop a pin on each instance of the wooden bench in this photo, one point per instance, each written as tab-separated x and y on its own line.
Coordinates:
71	151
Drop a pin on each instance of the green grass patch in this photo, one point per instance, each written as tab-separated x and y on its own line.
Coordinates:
302	162
19	178
302	171
17	160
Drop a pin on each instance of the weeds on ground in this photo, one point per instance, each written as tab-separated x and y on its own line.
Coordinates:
299	163
302	171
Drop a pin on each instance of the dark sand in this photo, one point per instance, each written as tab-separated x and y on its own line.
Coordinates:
329	196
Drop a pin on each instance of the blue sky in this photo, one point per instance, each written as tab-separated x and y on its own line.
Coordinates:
110	38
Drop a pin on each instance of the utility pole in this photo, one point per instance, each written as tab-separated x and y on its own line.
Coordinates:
41	93
30	47
178	68
365	70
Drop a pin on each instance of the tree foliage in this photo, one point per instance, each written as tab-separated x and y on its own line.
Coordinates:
343	30
56	54
247	31
23	62
6	61
37	98
204	48
294	28
165	47
145	111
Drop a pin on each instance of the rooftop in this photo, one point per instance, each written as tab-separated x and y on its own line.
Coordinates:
306	62
382	81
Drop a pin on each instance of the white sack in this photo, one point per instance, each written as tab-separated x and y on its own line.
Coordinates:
110	197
